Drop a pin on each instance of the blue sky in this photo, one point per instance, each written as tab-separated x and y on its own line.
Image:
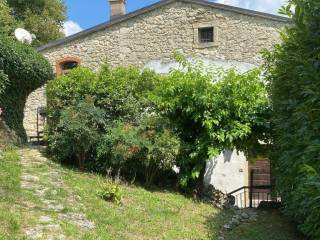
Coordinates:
83	14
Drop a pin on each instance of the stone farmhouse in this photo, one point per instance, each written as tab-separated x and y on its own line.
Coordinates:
216	33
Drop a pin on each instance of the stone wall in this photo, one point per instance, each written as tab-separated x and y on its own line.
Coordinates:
155	35
35	100
152	37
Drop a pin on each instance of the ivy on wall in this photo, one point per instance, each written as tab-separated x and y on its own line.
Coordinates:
27	70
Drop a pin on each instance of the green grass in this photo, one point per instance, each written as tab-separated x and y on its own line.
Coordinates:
9	194
143	214
270	224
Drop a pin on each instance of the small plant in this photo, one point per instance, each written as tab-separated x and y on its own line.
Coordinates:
110	191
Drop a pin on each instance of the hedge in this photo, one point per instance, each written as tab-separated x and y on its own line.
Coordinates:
294	74
27	70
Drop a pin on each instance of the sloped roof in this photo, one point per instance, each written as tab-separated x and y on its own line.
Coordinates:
159	4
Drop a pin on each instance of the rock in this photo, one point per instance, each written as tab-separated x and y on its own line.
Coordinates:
45	219
238	217
227	227
245	215
79	220
34	233
56	237
53	227
235	222
29	178
216	197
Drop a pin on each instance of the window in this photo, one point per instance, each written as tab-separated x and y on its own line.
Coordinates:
65	65
69	65
206	35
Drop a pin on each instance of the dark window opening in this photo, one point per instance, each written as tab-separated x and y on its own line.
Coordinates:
69	65
206	35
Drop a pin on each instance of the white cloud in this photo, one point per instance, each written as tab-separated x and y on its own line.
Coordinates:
71	27
269	6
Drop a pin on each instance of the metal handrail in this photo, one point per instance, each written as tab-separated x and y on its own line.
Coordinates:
251	187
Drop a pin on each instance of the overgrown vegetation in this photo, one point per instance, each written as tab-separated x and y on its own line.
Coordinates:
139	124
26	70
7	21
212	110
293	71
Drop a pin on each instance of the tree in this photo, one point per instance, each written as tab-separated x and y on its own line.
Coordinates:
211	111
77	132
7	22
293	72
44	18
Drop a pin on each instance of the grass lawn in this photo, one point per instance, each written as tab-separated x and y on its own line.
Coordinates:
10	194
151	215
270	225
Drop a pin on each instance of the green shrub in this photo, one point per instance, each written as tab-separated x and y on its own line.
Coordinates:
293	71
154	122
119	92
161	145
110	191
211	110
150	146
77	132
7	21
3	81
118	148
27	70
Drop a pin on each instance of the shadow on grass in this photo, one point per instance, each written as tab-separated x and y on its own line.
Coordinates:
269	225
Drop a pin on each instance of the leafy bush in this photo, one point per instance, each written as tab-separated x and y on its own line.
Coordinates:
161	146
118	148
211	111
153	122
120	93
3	81
293	72
7	22
151	143
110	191
77	132
27	70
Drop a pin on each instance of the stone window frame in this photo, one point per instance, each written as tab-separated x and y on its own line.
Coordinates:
59	64
197	26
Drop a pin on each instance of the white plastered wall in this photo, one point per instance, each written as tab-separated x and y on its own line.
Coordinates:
227	172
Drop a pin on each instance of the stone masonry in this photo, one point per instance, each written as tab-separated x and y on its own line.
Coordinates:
154	35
